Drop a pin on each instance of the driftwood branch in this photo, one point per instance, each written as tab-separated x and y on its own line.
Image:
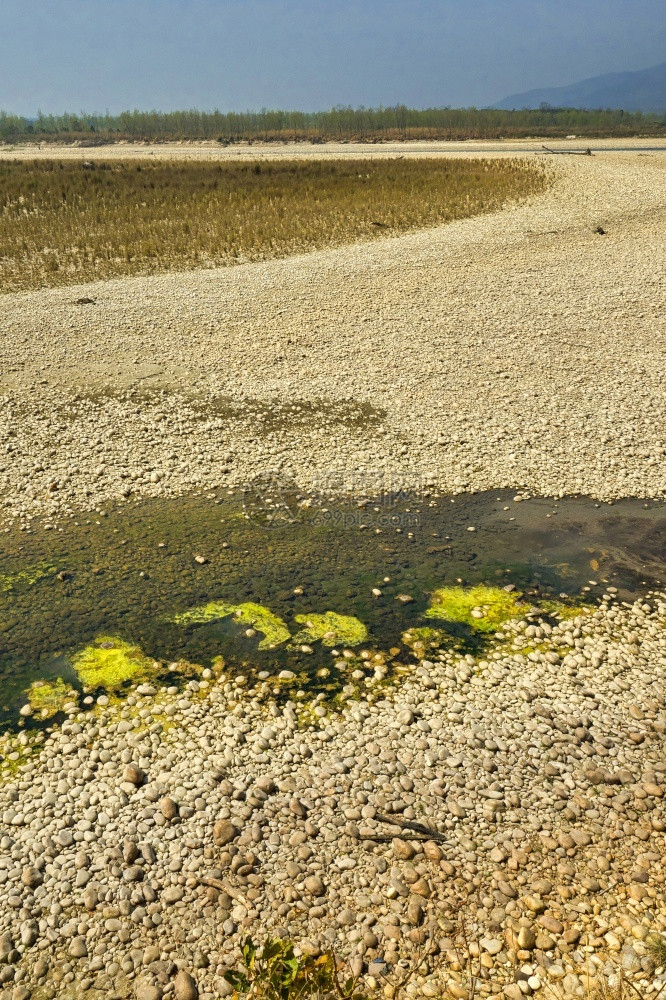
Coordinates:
568	152
424	831
216	883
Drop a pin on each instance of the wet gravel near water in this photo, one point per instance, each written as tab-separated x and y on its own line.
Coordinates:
125	572
146	841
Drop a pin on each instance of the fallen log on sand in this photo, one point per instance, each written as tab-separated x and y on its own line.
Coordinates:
569	152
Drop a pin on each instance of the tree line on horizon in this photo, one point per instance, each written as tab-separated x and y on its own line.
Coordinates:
340	123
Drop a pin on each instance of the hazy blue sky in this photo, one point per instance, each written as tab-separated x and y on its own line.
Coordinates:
235	54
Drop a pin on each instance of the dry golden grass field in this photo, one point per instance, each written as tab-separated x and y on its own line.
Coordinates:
68	222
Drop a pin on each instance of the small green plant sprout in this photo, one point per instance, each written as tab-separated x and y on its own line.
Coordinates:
331	628
109	663
275	972
258	617
657	946
481	608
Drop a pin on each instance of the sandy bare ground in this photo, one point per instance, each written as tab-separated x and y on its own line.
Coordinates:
520	349
211	150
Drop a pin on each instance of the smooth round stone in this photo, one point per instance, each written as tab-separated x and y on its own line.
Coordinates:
184	987
78	947
147	992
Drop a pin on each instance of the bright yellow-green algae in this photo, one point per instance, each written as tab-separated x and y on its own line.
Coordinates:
331	628
564	611
426	636
14	753
28	577
456	604
47	698
262	619
109	662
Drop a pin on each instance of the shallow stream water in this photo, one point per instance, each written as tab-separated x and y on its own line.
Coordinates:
125	572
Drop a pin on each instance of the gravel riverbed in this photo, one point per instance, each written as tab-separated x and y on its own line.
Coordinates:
141	842
519	349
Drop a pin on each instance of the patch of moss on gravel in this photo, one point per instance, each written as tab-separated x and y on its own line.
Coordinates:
47	698
109	663
331	629
481	608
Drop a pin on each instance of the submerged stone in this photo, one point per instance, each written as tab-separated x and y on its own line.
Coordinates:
425	636
292	572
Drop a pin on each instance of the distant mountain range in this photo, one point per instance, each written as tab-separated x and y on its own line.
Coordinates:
643	90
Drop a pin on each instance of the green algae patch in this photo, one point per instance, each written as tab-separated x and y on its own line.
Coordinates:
25	578
205	613
258	617
565	612
109	663
48	698
331	629
425	636
15	752
481	608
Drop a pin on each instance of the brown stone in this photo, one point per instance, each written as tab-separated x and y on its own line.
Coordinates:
168	808
402	850
130	852
415	912
134	774
224	832
31	878
184	987
551	923
314	885
433	851
422	888
534	903
526	938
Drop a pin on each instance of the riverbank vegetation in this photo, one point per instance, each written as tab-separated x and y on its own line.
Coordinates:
70	222
339	124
